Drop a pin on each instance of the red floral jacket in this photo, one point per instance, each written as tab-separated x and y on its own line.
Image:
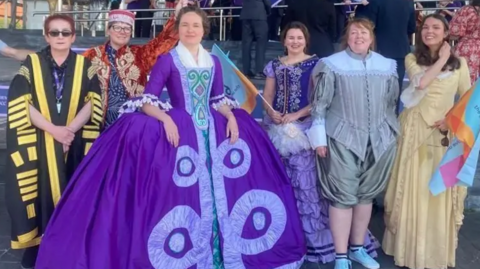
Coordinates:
133	63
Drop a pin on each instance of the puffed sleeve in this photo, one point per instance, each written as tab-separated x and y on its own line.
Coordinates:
321	96
158	78
414	71
464	82
268	70
411	96
393	91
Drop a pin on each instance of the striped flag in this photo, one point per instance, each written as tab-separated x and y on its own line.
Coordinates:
235	82
459	163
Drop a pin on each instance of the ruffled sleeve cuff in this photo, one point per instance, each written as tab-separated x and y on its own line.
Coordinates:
268	70
135	104
412	96
221	100
317	134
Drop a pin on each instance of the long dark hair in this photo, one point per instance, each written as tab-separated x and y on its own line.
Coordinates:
422	51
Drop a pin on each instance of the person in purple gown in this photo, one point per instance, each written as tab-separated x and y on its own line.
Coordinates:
288	118
194	183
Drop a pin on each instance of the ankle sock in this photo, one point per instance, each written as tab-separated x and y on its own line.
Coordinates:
340	256
354	248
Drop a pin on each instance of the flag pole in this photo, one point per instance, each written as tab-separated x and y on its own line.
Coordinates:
265	101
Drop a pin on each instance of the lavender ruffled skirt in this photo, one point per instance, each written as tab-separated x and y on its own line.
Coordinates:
300	165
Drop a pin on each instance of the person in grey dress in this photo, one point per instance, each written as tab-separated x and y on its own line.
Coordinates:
354	133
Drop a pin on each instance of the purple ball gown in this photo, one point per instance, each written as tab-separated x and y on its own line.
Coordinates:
136	202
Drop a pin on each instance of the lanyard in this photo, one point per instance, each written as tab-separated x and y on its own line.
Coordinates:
59	81
59	93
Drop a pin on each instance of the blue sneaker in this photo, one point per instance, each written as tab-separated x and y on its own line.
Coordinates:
343	264
361	256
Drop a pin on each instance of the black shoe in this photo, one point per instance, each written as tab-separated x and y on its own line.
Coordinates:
29	258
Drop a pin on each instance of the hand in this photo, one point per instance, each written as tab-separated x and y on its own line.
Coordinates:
275	116
322	151
445	51
289	118
172	131
441	125
365	2
65	148
232	129
63	134
181	4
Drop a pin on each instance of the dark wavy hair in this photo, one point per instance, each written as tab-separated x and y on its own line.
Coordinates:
199	12
422	51
296	25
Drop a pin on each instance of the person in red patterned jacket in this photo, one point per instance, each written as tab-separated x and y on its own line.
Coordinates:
122	68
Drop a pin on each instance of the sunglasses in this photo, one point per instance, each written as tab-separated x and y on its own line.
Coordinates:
58	33
445	141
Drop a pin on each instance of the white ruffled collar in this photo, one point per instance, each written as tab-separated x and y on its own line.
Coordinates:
349	64
204	58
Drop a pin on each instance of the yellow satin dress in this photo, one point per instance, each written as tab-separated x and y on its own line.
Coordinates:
421	229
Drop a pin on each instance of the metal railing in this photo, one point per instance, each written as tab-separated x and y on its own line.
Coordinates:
222	16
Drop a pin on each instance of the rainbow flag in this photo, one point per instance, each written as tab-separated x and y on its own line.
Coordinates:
236	84
459	163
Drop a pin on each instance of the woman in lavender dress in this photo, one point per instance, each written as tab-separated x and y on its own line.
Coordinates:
180	187
288	118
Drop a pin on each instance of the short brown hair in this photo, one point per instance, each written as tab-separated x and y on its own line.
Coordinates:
296	25
199	12
60	17
362	22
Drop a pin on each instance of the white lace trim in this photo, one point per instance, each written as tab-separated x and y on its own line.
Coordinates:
136	103
218	97
343	64
225	101
412	96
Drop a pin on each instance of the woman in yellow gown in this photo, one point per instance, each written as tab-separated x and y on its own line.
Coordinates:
421	229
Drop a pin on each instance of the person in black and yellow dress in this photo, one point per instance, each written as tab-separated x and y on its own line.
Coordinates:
54	115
